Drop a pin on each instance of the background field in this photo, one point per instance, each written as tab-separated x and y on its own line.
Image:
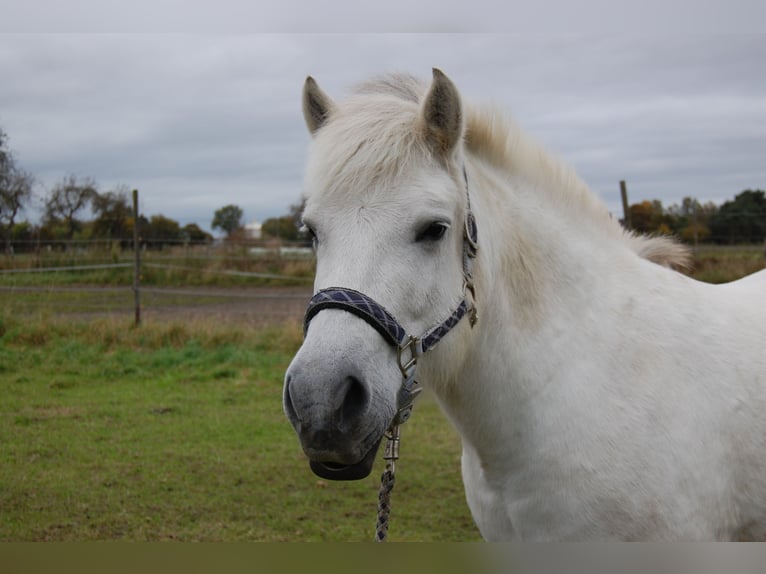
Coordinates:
174	430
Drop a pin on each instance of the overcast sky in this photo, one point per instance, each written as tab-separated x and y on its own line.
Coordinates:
197	121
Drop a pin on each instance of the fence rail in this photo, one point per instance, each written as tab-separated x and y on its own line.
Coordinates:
124	297
59	257
65	268
153	266
253	274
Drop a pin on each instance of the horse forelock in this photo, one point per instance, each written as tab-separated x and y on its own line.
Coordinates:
371	140
403	86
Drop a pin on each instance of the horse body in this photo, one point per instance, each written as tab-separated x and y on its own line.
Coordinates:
599	396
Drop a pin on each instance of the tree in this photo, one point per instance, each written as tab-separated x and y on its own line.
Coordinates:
281	228
24	232
160	231
69	197
649	217
114	214
742	220
228	219
6	159
288	227
193	234
15	191
691	219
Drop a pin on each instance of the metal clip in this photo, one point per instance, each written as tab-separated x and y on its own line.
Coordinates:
392	444
405	399
406	368
391	454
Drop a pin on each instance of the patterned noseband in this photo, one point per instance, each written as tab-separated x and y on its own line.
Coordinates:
409	348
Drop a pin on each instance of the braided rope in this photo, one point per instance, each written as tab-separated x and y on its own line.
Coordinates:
387	483
384	504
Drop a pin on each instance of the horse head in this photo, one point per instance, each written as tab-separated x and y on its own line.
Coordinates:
387	207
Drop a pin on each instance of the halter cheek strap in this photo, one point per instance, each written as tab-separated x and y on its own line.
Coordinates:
409	348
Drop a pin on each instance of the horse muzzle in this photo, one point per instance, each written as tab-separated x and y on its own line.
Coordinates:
338	415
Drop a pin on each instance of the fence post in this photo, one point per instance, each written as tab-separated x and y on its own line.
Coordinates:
137	260
696	229
625	209
37	248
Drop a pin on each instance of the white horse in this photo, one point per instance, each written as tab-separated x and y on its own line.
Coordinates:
600	394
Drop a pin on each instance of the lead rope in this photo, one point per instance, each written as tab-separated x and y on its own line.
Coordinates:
387	483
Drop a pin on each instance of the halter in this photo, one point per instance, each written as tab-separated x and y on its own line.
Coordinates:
409	348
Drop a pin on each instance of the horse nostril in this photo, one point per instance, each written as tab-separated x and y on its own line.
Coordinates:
290	411
354	403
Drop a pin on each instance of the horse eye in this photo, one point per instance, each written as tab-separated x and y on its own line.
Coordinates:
432	232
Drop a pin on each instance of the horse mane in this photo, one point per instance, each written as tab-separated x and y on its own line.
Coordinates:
492	135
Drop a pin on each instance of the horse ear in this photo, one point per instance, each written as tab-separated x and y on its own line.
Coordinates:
442	115
317	106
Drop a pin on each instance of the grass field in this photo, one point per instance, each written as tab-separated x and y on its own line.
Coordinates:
720	264
176	432
196	267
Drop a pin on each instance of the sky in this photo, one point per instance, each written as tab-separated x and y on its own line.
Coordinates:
199	117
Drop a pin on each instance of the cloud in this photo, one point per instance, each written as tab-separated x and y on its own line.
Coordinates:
671	17
196	121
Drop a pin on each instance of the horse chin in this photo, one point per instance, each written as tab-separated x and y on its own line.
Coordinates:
356	471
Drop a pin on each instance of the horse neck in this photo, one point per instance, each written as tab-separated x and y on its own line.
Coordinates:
543	251
542	263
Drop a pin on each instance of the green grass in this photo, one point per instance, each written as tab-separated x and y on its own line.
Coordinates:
176	432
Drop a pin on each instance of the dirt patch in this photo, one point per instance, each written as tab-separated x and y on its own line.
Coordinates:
256	306
261	306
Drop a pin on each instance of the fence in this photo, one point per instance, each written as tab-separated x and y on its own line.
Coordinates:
258	284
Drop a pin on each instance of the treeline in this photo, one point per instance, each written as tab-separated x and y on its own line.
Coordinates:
74	210
67	204
741	220
112	220
283	229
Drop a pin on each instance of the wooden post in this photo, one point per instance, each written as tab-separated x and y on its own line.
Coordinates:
137	260
37	248
625	209
696	229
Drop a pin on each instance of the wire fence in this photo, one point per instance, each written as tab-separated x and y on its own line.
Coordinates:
254	284
67	268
